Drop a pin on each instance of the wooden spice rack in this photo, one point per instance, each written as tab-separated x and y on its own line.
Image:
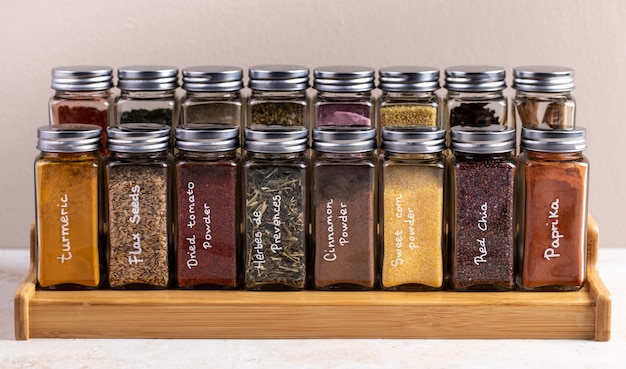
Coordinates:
584	314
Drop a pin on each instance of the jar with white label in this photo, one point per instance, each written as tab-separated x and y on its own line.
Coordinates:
554	188
67	198
136	181
482	213
207	190
344	208
275	212
412	222
543	98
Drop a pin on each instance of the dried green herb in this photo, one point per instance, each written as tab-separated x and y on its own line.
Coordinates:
277	113
162	115
275	229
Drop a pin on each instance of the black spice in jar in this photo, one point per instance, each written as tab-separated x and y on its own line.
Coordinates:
482	224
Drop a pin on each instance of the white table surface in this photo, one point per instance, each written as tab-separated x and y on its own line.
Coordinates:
317	353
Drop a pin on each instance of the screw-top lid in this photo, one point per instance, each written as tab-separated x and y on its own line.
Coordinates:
207	138
553	140
278	77
274	139
138	137
475	78
543	78
69	138
147	78
344	139
482	140
211	78
412	140
82	78
343	78
408	79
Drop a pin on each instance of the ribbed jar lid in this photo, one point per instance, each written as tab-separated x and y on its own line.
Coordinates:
543	78
274	139
344	139
554	141
207	138
277	77
408	79
412	140
209	78
82	78
344	78
147	78
69	138
482	140
138	137
475	78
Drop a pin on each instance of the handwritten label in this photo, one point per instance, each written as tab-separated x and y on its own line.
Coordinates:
66	247
344	237
553	221
482	242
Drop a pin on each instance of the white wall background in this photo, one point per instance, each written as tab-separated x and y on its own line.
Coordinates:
36	35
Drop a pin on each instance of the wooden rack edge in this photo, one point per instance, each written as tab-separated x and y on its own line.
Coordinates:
584	314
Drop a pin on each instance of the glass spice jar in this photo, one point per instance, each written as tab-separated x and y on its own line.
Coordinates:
408	97
412	212
213	95
344	207
344	96
67	178
554	185
137	198
482	220
207	206
275	183
475	96
278	95
147	95
82	95
543	98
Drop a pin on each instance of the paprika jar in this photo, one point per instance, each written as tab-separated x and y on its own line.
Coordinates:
275	208
207	206
543	98
82	95
412	221
212	95
408	97
137	197
147	95
554	178
475	96
344	96
67	179
278	95
482	220
344	207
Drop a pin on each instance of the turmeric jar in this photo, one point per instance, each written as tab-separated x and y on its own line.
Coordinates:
67	206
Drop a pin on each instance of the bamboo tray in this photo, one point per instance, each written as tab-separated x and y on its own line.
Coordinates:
584	314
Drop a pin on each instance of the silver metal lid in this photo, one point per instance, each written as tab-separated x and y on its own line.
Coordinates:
408	78
207	138
82	78
275	139
147	78
69	138
475	78
138	137
211	78
412	140
554	141
344	139
343	78
482	140
543	78
278	77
